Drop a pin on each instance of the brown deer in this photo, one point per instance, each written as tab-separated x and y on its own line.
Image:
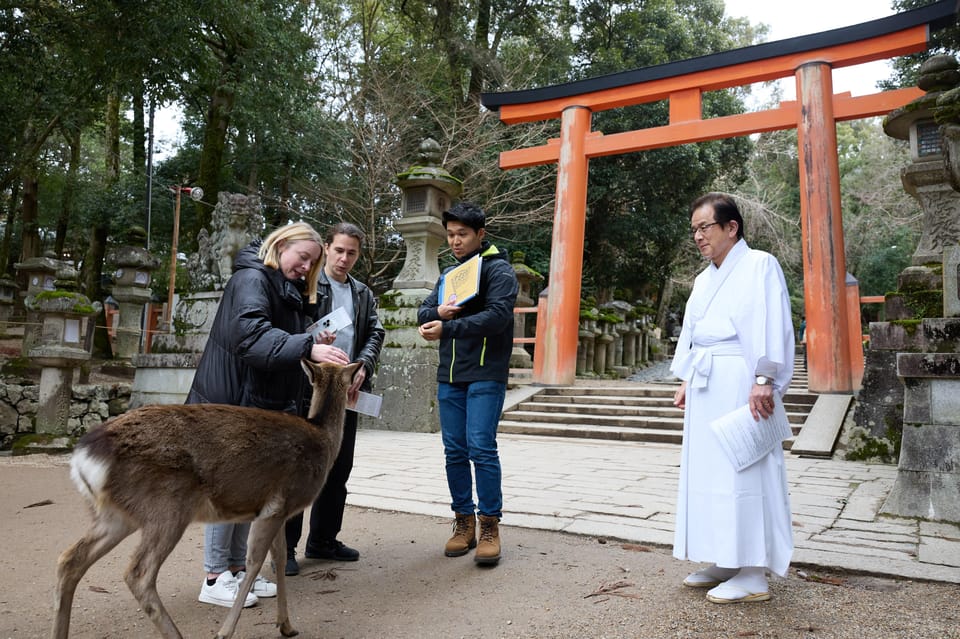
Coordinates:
159	468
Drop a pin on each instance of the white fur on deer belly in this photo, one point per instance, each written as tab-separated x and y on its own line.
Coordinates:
89	474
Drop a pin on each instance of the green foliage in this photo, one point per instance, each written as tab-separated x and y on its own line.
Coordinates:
944	40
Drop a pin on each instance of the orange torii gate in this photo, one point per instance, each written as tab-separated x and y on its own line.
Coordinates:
814	114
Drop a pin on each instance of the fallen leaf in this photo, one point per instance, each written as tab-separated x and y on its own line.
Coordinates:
99	589
611	588
327	575
45	502
832	581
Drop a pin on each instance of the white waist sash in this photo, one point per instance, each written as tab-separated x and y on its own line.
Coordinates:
695	366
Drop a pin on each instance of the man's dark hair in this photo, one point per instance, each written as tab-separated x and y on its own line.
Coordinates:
345	228
724	208
466	213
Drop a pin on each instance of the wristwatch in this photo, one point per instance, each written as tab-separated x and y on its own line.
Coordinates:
763	381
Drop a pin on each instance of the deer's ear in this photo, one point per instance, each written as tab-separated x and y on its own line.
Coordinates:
350	370
308	368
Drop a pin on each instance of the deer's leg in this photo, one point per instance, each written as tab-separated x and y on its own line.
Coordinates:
158	539
109	529
262	533
278	552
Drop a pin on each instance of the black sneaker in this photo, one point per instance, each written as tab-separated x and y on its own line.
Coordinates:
292	568
333	549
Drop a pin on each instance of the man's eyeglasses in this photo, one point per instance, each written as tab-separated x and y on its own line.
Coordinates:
702	229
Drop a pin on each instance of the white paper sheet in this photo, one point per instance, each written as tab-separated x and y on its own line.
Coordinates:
332	322
746	441
367	404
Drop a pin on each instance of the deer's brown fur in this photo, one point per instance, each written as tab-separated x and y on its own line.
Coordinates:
159	468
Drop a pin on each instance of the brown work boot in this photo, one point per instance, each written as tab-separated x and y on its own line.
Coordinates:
488	550
464	536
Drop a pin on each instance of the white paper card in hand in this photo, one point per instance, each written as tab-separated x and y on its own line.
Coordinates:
746	441
332	322
366	404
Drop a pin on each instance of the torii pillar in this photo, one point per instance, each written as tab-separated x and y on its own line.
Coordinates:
821	229
559	363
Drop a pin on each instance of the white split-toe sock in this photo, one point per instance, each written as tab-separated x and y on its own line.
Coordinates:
749	584
709	577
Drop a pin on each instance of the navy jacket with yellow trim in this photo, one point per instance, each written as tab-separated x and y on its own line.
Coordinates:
476	345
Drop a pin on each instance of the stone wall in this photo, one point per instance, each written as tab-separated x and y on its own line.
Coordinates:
90	405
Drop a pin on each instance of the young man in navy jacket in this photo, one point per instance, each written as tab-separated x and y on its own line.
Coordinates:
476	339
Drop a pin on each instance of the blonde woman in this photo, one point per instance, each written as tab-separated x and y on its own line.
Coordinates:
252	358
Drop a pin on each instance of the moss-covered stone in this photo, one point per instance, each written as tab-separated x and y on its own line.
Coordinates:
43	443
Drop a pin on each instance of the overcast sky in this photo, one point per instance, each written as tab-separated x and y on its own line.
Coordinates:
788	19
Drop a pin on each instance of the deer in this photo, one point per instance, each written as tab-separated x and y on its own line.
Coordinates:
159	468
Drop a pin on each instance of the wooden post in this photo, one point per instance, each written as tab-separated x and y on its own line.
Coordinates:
855	331
824	265
559	363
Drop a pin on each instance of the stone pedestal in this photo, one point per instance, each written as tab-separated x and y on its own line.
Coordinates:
928	473
192	321
163	378
406	377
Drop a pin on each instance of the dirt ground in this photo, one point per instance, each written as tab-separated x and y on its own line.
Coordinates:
548	585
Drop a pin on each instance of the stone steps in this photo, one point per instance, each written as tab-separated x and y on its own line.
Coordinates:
622	411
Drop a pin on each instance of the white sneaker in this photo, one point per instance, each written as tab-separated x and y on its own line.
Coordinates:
224	591
261	587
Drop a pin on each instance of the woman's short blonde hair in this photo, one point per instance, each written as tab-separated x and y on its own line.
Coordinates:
296	232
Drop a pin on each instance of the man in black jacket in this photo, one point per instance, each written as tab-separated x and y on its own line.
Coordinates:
361	342
476	339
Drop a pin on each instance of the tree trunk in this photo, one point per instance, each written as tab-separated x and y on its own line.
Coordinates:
97	248
481	45
211	157
69	191
6	261
29	210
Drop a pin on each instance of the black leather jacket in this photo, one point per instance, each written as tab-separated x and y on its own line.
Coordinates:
368	333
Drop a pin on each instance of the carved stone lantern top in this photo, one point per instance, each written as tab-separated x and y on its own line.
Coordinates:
915	121
429	172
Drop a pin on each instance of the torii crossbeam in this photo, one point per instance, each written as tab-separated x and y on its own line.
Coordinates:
814	114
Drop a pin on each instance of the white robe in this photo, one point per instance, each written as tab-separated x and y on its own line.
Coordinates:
737	324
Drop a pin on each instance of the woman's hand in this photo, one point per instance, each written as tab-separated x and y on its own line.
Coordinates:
761	401
329	354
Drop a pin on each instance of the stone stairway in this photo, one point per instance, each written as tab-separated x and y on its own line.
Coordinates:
624	411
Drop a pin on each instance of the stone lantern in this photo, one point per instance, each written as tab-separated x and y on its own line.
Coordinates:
66	326
8	299
427	191
39	273
526	276
927	178
133	266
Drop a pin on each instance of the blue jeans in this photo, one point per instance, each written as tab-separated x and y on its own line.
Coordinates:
469	414
224	545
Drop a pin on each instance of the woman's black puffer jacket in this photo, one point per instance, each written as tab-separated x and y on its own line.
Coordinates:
258	338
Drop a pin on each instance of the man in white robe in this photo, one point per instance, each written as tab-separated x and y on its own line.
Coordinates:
736	347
